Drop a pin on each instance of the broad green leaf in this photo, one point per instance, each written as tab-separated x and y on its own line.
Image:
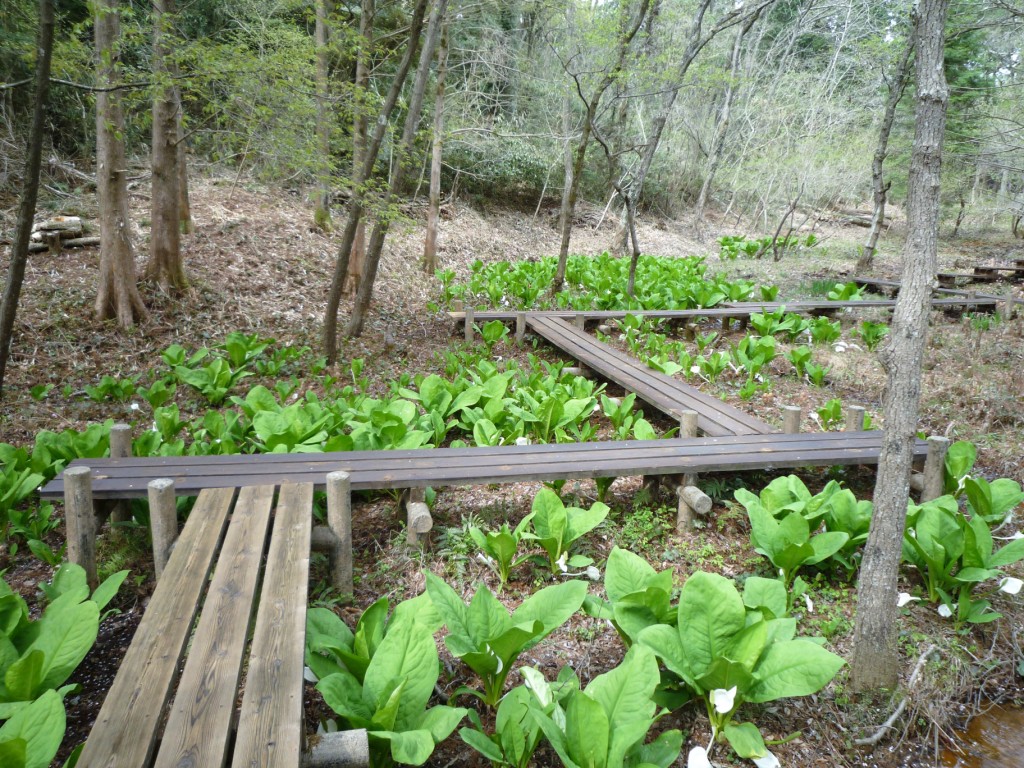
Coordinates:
552	606
767	594
407	747
745	740
626	573
41	726
344	695
407	652
793	668
440	721
482	744
625	691
587	731
1008	554
710	613
106	591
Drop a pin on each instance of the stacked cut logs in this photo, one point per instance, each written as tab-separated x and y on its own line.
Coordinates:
58	233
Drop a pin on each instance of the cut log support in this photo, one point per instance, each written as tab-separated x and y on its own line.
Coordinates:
469	324
81	520
120	448
934	475
163	521
520	328
854	418
688	424
341	749
692	501
339	520
792	415
419	521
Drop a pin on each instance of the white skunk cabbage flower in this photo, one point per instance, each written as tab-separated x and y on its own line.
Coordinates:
723	700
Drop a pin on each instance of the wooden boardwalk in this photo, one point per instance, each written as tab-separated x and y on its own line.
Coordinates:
666	393
953	300
437	467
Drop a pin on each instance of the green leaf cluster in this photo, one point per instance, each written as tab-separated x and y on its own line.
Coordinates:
556	528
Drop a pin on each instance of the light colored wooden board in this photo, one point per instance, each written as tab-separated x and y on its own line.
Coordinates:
270	729
201	717
125	732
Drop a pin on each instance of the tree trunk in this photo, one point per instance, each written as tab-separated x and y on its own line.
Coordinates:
30	186
404	155
357	256
569	199
878	185
164	267
718	141
321	36
875	653
185	224
117	295
434	205
362	173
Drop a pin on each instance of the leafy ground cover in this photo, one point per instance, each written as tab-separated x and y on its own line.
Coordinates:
275	265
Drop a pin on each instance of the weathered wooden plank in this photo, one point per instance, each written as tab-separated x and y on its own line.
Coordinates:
123	478
125	732
663	392
200	720
270	730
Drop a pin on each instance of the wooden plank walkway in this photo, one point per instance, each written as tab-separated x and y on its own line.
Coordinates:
665	393
954	300
437	467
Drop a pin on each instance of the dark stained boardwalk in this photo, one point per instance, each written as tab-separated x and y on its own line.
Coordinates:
665	393
128	478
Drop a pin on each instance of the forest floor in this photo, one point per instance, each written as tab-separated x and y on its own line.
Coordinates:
257	265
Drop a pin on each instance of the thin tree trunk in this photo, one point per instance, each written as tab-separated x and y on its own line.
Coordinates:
434	205
359	137
875	654
405	150
117	295
30	186
569	201
164	267
697	40
185	224
321	36
722	127
362	173
878	186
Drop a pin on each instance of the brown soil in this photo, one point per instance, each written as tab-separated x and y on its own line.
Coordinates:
257	265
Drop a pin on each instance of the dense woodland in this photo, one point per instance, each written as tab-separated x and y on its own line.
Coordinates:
343	164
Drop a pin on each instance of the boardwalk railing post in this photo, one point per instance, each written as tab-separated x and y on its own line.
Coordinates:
935	468
163	521
791	418
580	322
688	424
81	520
339	519
520	328
854	418
469	324
120	448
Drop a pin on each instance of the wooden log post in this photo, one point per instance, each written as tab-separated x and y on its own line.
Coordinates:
520	328
340	749
469	324
688	424
81	520
163	521
690	331
692	501
935	468
854	418
120	448
580	322
418	522
792	415
339	520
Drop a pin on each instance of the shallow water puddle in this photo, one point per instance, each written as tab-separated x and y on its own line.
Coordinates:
993	740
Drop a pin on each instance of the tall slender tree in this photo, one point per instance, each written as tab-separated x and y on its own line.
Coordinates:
324	117
879	188
165	263
117	295
30	186
875	654
359	192
437	142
